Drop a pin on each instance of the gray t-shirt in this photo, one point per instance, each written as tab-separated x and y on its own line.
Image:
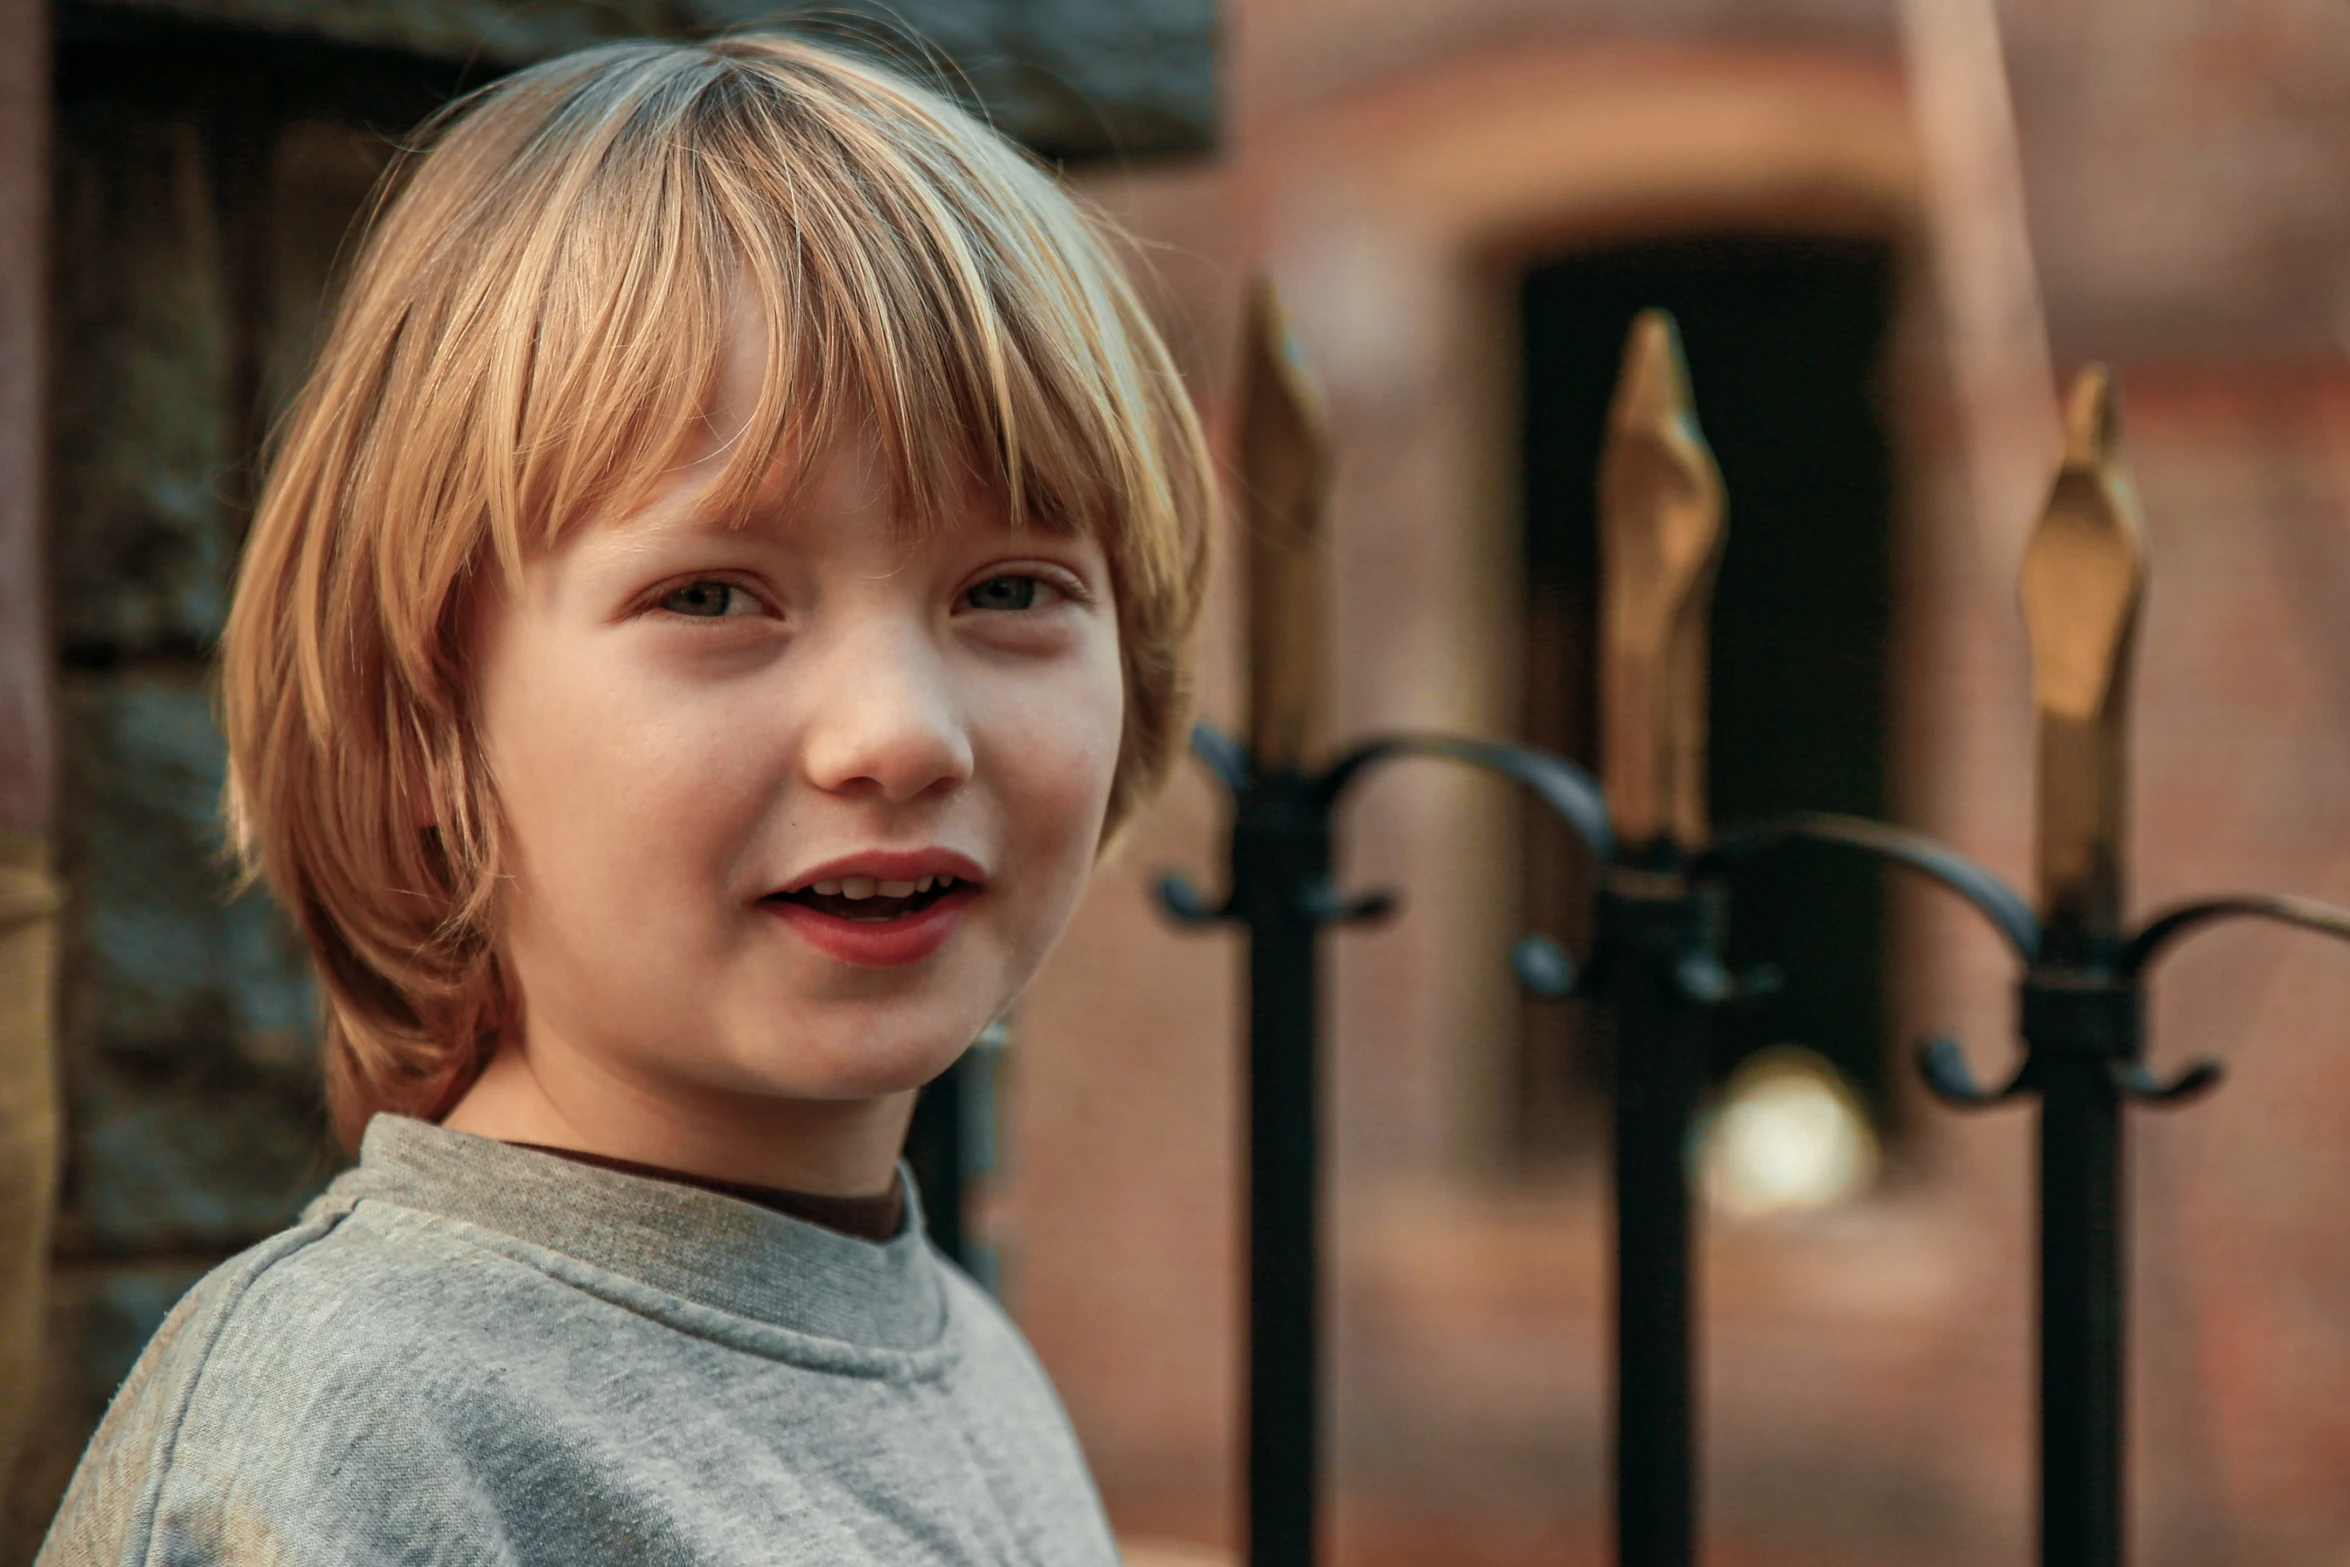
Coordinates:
468	1353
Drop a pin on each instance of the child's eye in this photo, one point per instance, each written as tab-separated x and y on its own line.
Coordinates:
709	600
1011	592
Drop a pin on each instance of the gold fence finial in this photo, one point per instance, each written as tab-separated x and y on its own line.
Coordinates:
2084	574
1285	478
1660	542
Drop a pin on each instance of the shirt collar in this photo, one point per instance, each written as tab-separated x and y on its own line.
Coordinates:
713	1250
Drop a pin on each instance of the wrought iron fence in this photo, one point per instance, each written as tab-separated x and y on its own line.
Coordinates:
1663	883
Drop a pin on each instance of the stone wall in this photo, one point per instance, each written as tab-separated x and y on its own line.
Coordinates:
28	1089
209	163
1070	78
198	204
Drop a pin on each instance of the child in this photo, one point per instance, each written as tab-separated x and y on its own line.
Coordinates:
722	584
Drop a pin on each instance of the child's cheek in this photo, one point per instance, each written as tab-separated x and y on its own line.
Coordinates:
1056	756
1067	746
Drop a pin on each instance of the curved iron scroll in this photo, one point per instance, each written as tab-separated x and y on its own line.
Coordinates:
1558	783
2066	1007
1940	1060
2166	927
1999	903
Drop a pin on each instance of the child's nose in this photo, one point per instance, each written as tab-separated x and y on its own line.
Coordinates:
886	721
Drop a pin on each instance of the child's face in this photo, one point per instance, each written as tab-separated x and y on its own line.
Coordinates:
738	766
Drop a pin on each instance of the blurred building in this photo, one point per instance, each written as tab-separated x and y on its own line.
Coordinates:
1875	265
1462	205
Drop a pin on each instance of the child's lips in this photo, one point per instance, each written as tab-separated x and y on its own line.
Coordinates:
886	942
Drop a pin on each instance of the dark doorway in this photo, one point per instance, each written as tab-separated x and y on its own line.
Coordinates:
1784	337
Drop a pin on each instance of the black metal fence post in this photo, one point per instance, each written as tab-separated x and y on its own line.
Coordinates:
1281	864
1658	973
935	1150
2078	1023
1661	510
1281	891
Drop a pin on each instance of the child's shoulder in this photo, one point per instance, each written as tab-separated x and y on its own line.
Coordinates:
344	1328
109	1513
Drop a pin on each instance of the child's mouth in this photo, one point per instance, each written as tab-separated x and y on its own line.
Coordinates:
871	922
868	900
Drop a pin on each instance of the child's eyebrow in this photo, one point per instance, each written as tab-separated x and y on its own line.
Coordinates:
665	523
703	508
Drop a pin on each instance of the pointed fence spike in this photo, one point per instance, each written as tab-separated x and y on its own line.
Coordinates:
1285	476
2092	419
1660	531
2084	574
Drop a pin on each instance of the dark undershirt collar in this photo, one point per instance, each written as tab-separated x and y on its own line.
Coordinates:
876	1218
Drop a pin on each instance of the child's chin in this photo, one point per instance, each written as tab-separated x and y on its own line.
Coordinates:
858	1069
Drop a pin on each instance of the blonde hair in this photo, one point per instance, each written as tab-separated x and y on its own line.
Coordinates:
531	335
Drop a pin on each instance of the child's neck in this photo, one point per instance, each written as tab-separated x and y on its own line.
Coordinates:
553	1098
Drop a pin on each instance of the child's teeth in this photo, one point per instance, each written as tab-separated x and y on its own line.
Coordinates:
944	882
854	887
897	889
826	889
924	883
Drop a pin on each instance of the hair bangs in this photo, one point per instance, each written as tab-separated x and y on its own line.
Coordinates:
890	280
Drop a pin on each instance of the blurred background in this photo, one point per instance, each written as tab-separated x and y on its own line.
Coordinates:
1888	228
